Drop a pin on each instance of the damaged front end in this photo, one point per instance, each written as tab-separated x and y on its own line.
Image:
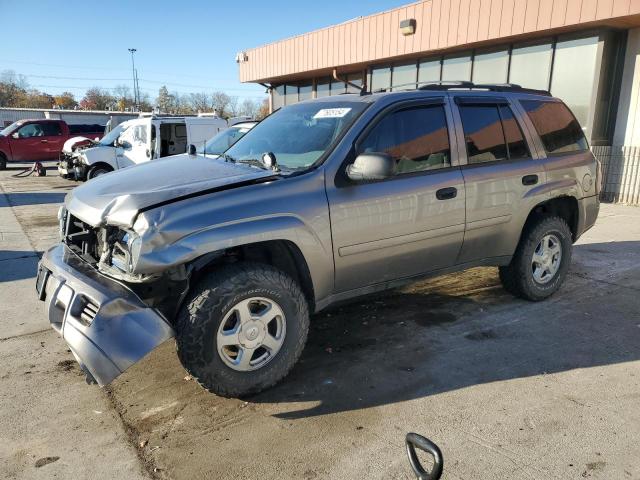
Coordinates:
109	317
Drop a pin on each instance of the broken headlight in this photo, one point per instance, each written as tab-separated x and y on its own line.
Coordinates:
125	251
62	221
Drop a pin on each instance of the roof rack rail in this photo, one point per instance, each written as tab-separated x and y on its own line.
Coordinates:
493	87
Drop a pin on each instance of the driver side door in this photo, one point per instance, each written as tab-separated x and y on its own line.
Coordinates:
29	144
412	222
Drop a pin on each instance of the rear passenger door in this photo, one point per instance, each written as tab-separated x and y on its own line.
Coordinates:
54	139
501	176
410	223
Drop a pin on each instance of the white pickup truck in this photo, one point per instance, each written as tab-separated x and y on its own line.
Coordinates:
137	141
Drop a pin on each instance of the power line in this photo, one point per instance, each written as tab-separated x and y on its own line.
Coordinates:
76	87
84	67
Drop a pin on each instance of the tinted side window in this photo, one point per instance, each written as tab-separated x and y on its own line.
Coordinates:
558	129
30	130
417	138
51	129
516	145
483	133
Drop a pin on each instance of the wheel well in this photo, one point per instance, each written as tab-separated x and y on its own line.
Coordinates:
100	164
281	254
564	207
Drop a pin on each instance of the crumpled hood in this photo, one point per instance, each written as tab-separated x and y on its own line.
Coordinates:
69	145
115	198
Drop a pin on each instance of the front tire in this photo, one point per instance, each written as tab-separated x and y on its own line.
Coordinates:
97	170
242	329
542	259
3	162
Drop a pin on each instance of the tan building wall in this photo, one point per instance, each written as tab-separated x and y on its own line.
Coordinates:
441	25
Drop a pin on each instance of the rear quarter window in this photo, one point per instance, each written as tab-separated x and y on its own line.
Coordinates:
558	129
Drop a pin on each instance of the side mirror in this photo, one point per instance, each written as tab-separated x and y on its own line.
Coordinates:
192	149
371	166
15	135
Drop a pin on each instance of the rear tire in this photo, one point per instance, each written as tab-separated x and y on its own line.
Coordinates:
542	259
98	170
211	338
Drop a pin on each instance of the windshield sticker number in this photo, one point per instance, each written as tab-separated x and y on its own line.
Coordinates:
332	113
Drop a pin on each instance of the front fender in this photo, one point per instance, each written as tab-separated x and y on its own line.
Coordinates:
244	232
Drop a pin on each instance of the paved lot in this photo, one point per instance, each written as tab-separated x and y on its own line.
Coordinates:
508	389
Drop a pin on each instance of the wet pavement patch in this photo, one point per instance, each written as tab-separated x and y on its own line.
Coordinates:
66	365
431	319
41	462
481	335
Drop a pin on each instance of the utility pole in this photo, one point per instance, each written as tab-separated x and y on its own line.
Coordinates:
136	96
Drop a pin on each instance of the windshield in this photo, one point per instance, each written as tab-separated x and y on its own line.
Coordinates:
7	130
298	135
111	137
223	140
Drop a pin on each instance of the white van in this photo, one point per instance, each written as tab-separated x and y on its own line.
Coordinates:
137	141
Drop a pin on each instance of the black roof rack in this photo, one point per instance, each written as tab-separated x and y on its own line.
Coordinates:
493	87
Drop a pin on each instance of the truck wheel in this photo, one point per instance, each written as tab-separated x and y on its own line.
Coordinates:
97	170
541	261
3	162
242	329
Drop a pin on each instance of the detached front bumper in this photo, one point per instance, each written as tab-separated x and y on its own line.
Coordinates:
107	327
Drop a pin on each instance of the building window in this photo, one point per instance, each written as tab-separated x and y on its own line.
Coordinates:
404	77
322	87
417	138
356	79
456	68
277	97
380	78
556	127
429	71
337	88
574	69
290	94
531	66
491	67
305	92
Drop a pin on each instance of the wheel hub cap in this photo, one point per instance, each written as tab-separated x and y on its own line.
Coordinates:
251	334
546	259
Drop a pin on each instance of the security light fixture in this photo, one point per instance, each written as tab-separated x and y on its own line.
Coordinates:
408	26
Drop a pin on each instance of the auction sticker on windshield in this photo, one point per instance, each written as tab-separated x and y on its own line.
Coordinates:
332	113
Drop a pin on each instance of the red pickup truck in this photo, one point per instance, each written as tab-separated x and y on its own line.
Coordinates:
31	140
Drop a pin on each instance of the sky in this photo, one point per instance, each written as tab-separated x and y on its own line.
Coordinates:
188	45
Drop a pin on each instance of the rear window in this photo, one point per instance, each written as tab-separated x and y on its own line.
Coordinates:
50	129
558	129
81	128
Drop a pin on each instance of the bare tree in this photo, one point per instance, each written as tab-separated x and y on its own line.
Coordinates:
249	107
220	102
232	108
199	102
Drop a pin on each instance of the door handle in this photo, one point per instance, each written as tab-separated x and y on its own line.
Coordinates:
530	179
447	193
44	141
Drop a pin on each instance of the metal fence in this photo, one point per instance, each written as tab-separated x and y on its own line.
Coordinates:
620	172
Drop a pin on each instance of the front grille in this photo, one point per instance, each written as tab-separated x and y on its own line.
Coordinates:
82	238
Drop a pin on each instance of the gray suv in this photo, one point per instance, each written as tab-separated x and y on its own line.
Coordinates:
321	202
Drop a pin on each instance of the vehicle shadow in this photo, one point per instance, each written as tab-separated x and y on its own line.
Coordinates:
20	199
18	265
461	330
